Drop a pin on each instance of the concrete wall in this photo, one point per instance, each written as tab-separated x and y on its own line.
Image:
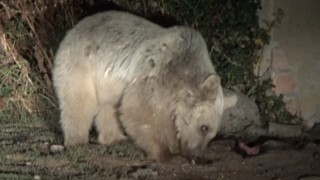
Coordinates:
293	55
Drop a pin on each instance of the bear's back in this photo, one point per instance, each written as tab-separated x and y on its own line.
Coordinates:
106	41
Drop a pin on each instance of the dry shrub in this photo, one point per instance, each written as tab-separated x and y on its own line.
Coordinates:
30	31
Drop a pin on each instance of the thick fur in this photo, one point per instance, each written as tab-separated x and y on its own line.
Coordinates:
162	78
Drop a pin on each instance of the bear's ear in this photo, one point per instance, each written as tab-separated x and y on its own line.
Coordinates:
182	39
210	86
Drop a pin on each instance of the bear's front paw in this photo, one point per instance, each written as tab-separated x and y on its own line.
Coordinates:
109	138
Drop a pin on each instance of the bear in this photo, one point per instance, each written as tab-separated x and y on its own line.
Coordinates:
132	78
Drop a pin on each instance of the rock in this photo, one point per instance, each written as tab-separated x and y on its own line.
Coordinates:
284	130
314	132
55	148
310	123
145	173
36	177
241	118
312	126
274	144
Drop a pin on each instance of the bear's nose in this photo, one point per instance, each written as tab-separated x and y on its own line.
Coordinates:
198	153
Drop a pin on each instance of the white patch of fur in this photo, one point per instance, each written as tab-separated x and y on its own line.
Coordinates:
145	126
107	73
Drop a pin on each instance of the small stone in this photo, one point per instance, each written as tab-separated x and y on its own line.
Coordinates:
315	119
37	177
146	173
28	163
185	167
56	148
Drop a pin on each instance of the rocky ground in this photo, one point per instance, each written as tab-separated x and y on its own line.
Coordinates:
31	150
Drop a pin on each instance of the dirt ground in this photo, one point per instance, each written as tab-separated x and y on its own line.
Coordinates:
29	151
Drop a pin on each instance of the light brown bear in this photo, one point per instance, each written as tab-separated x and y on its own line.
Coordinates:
161	80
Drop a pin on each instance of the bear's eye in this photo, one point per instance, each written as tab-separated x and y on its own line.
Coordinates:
204	130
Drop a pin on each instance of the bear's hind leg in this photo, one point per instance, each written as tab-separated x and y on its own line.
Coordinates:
109	96
108	126
76	123
78	107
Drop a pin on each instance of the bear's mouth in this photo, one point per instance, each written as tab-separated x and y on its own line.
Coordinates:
183	150
178	138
